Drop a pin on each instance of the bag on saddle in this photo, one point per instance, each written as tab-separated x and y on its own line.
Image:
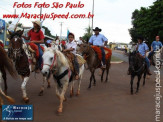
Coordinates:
71	58
108	52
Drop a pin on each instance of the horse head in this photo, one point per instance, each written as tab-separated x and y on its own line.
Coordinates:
134	61
52	59
16	43
84	48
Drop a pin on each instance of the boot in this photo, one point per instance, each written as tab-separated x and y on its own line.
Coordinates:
148	72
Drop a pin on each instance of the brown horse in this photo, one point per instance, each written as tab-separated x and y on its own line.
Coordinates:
93	62
5	64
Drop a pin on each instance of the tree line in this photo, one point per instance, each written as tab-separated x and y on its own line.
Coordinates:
148	22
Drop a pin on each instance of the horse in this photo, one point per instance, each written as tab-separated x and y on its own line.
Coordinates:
5	64
57	63
137	67
94	62
158	55
22	57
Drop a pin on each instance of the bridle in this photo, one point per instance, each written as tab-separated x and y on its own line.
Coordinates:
54	59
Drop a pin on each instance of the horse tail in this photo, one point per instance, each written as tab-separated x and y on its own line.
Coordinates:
6	63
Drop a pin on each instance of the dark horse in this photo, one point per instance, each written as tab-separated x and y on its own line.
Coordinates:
93	62
137	67
5	64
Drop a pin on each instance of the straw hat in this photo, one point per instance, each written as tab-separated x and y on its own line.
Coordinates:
1	41
37	22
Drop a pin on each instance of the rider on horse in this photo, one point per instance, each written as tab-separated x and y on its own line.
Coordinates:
154	46
99	40
36	36
142	48
71	47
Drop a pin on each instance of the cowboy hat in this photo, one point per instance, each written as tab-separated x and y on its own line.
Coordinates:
1	41
97	29
37	22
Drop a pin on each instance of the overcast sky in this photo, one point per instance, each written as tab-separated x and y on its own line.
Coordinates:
112	16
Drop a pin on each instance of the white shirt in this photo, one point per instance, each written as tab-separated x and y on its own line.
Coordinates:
80	42
71	45
57	42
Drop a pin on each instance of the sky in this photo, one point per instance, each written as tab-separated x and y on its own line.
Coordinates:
112	16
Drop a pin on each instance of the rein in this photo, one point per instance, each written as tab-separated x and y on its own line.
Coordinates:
51	66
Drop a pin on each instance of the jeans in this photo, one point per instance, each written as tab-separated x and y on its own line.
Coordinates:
147	61
76	65
103	55
40	56
151	54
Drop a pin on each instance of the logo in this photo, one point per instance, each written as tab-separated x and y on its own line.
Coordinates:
17	112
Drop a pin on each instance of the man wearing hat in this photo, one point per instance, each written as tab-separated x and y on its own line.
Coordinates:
35	35
99	40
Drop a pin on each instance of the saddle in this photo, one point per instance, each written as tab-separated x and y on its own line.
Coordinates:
71	57
108	52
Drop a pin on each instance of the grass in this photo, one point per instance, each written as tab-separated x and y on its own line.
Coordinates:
115	59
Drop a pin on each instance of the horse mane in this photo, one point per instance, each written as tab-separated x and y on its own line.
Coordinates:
6	63
60	55
62	58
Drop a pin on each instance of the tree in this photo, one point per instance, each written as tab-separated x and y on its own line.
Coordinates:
148	22
88	34
47	32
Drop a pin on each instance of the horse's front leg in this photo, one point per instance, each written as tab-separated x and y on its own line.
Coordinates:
62	97
90	80
144	77
131	83
42	87
79	83
4	79
48	80
102	74
23	87
138	83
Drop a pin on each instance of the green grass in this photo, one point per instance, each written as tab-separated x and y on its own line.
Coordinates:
114	59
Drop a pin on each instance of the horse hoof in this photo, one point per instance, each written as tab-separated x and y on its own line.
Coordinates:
65	100
94	84
136	92
131	93
26	100
78	93
59	113
71	95
48	86
41	93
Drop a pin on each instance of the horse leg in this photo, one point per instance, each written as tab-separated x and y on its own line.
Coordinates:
94	79
4	79
107	71
138	83
1	102
102	75
72	89
23	87
62	96
11	100
42	87
48	80
144	78
90	80
131	83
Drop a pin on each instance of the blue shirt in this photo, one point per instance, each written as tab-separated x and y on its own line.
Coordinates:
142	48
156	44
98	40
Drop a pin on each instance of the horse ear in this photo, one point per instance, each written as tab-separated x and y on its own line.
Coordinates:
21	32
10	32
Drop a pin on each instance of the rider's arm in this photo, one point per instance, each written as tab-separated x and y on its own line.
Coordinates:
38	42
26	38
68	50
151	48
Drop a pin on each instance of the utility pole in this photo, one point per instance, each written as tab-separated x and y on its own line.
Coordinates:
40	15
93	14
61	23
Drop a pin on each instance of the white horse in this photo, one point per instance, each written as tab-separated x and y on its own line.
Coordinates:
57	63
